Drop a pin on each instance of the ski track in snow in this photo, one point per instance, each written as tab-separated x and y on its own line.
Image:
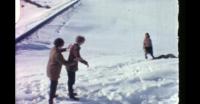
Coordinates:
114	76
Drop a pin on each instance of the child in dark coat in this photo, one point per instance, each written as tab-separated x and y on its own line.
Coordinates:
147	46
74	57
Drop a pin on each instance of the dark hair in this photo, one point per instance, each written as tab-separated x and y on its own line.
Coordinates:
59	42
147	35
80	39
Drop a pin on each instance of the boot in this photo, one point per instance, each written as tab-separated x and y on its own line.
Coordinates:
50	101
146	57
74	98
74	94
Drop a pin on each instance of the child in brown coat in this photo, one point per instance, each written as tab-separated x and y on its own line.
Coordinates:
56	60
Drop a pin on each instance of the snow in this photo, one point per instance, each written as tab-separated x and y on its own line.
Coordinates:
118	73
30	17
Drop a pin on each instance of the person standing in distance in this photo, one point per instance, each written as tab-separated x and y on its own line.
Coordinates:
147	46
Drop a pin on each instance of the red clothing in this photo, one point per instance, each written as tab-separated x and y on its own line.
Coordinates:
147	42
74	57
73	54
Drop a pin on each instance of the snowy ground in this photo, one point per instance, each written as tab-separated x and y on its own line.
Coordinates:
31	15
118	72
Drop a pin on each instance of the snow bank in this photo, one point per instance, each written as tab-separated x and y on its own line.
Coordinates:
30	17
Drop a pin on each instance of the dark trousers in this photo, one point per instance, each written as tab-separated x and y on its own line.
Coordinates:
149	50
53	87
71	81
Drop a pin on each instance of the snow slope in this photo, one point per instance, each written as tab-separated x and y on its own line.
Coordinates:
118	72
31	15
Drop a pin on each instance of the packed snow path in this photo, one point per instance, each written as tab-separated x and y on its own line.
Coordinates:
118	73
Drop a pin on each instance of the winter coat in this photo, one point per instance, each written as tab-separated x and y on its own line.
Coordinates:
147	42
56	60
74	55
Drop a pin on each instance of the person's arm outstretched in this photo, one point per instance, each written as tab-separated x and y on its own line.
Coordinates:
76	52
